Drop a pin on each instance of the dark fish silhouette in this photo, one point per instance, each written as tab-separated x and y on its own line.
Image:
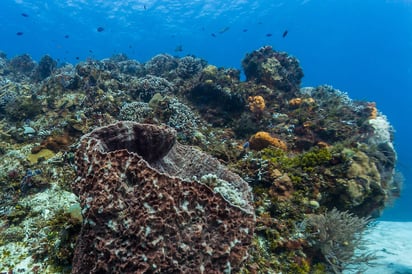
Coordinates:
66	36
213	35
77	57
224	30
19	33
24	14
144	6
268	34
179	48
285	33
100	29
245	30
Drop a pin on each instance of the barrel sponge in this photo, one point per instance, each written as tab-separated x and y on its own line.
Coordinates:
146	209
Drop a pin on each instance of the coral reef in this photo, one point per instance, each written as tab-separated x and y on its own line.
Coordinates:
217	95
136	111
149	85
189	66
22	64
273	69
161	65
304	152
143	213
44	68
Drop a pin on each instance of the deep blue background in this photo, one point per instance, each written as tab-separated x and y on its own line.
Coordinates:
361	47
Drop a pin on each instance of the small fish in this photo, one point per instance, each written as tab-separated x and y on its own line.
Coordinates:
268	34
246	145
285	33
179	48
77	57
224	30
90	51
245	30
19	33
24	14
213	35
144	6
100	29
66	36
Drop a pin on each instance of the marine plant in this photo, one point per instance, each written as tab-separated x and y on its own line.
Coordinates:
337	234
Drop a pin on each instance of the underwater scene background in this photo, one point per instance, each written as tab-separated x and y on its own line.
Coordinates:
283	120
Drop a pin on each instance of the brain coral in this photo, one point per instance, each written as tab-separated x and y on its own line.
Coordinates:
145	211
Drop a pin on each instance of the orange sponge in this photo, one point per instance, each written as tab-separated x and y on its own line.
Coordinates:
263	139
256	104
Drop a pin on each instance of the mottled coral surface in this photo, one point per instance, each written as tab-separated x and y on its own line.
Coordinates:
139	216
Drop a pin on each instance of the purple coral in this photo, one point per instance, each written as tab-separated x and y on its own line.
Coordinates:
144	212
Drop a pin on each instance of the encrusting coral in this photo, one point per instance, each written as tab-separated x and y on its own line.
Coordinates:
144	211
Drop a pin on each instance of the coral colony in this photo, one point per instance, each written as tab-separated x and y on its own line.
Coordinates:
178	166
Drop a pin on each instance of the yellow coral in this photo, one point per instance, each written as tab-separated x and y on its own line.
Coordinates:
296	102
371	106
256	104
42	154
263	139
210	70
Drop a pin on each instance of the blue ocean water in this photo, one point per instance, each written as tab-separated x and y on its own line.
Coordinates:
360	47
